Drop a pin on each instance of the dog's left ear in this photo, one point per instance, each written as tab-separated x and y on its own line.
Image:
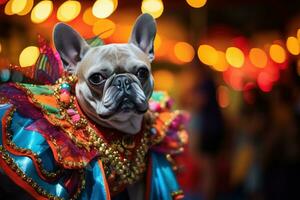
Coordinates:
70	45
143	34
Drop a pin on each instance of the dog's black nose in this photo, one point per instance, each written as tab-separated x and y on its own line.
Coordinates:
122	82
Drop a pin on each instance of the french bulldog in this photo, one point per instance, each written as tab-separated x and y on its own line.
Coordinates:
114	80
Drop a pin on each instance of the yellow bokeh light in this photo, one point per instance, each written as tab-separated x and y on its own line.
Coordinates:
41	11
277	53
29	56
258	57
235	57
184	51
292	44
18	6
207	54
88	17
8	8
221	65
196	3
164	80
104	28
104	8
68	11
153	7
27	9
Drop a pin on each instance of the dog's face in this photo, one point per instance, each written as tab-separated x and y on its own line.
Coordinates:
114	81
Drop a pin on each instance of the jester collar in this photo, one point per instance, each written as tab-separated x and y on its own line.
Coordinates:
53	151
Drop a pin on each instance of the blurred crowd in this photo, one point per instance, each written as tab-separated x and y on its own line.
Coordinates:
253	154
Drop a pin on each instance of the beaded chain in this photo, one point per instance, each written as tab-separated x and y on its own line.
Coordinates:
119	170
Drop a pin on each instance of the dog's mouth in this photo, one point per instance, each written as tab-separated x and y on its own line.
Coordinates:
116	101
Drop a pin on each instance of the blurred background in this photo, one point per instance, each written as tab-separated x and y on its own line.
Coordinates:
233	64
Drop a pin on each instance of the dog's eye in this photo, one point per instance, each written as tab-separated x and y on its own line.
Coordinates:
96	79
142	73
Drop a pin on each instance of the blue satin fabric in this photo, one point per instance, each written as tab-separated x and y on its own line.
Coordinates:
95	180
95	183
36	143
163	180
32	140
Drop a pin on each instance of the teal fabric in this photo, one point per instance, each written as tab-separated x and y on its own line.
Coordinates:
95	183
32	140
95	180
163	180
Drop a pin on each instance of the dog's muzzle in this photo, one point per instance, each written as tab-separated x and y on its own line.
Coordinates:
124	94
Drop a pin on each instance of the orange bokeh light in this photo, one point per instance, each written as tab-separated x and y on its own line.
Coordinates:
104	28
277	53
258	57
184	51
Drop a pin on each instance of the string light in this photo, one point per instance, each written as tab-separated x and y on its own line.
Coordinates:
277	53
41	11
88	17
27	8
221	65
18	6
258	57
68	11
196	3
104	8
207	54
29	56
8	8
184	51
153	7
235	57
292	44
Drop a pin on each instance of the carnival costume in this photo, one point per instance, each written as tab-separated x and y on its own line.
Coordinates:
52	150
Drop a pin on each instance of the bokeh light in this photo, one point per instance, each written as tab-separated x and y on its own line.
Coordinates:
8	8
68	11
235	57
164	80
41	11
277	53
223	96
88	17
153	7
18	5
184	51
104	8
236	79
104	28
221	65
196	3
292	44
265	82
258	57
27	9
157	42
207	54
29	56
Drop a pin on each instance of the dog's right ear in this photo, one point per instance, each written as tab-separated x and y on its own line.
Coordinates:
70	45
